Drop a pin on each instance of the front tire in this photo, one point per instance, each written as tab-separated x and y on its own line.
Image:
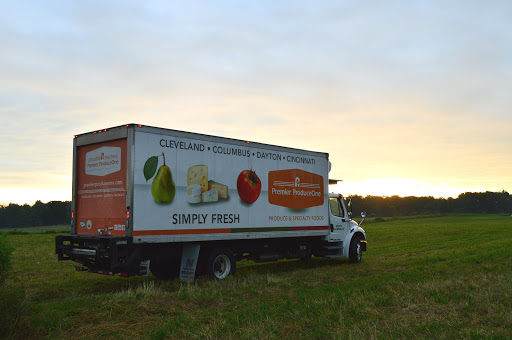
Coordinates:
221	263
355	253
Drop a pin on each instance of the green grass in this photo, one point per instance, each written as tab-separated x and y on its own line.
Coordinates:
438	277
48	229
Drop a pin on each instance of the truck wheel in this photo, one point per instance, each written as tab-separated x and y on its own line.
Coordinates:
355	252
164	269
306	258
221	263
165	263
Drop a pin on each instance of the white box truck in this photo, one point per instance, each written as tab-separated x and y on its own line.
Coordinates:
184	203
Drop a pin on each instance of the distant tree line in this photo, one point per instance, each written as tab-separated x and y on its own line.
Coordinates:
469	202
39	214
57	212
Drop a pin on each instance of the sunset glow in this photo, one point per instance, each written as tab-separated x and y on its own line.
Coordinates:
407	98
400	187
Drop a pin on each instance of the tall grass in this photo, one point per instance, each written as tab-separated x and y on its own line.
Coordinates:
11	298
5	257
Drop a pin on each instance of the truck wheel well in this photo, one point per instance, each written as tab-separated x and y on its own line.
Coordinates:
360	234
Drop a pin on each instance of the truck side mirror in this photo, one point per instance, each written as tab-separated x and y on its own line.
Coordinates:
363	215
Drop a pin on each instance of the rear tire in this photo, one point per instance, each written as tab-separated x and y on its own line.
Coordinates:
306	258
220	263
165	264
355	252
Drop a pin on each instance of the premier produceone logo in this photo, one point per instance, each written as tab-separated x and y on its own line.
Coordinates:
103	161
295	189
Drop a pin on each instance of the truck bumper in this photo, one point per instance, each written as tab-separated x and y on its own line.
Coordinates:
100	254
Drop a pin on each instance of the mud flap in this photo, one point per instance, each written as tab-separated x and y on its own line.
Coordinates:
189	258
144	268
363	245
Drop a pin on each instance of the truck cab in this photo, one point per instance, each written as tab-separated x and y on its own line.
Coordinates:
346	237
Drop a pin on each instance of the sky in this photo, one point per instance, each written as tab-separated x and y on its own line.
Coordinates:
407	97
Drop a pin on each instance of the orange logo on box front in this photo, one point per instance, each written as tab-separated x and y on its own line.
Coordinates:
295	188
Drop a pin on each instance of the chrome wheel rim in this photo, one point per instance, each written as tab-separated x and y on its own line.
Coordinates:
221	266
358	251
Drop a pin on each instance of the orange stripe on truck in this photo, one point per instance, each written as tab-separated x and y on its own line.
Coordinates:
181	232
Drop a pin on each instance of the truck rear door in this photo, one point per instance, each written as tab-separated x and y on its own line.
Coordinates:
100	187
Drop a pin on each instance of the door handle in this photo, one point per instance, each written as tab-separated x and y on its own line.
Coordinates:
332	228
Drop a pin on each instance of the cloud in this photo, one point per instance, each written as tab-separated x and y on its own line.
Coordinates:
419	90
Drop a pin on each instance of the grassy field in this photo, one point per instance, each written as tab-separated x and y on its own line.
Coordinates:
440	277
48	229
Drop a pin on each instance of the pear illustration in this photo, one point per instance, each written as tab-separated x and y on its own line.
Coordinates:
163	188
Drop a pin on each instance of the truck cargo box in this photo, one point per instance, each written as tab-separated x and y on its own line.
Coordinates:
119	190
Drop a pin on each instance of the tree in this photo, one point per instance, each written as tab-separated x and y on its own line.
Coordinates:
40	214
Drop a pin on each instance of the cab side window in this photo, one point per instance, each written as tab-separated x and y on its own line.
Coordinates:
335	207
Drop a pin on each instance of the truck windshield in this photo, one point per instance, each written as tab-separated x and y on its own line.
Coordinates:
336	208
